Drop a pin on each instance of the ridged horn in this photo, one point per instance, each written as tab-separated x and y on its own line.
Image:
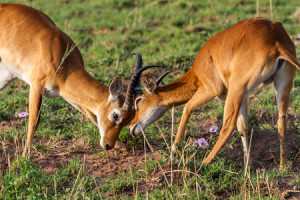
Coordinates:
134	84
139	61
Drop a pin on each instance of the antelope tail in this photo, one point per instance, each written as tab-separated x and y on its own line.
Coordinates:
287	55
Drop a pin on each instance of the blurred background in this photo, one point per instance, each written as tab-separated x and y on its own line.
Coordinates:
164	32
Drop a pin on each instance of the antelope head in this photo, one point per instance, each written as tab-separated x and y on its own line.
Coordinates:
121	110
150	105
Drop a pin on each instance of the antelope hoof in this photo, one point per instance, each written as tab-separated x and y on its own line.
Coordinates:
26	153
208	160
281	167
173	148
250	164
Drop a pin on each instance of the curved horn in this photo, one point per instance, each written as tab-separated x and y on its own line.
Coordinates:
134	87
161	77
139	61
146	67
138	73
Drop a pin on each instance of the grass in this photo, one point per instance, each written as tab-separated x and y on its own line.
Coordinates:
67	161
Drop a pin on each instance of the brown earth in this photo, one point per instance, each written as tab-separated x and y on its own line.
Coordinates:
264	152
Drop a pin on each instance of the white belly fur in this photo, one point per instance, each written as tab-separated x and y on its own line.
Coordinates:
49	92
12	69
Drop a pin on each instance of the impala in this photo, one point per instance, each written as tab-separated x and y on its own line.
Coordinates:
230	65
34	50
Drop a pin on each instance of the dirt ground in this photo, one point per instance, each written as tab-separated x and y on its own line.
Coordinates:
264	152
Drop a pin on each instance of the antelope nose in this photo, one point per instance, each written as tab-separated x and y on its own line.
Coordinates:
107	147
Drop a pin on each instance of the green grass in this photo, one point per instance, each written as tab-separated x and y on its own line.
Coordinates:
169	33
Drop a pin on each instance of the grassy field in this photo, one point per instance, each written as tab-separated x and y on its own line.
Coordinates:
67	161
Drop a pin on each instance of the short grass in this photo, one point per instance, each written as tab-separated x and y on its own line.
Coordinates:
67	161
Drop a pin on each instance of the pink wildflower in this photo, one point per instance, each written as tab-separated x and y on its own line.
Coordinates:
23	114
202	143
213	129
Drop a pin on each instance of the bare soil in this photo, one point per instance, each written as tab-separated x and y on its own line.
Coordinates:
264	153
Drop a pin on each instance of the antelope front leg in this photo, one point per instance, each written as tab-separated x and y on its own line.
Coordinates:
231	110
35	101
199	98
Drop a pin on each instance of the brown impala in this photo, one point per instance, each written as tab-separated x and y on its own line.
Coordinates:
34	50
230	66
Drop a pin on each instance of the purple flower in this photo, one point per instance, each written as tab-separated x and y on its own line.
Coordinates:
298	36
202	143
171	157
213	129
23	114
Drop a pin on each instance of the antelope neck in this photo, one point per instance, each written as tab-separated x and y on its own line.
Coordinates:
84	90
179	91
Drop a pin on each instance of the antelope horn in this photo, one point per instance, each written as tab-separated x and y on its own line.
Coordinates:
161	78
139	61
134	85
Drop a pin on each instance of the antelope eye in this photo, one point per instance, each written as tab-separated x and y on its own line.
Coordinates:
115	116
138	100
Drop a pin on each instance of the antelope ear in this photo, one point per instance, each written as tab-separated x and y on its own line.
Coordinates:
115	89
149	83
